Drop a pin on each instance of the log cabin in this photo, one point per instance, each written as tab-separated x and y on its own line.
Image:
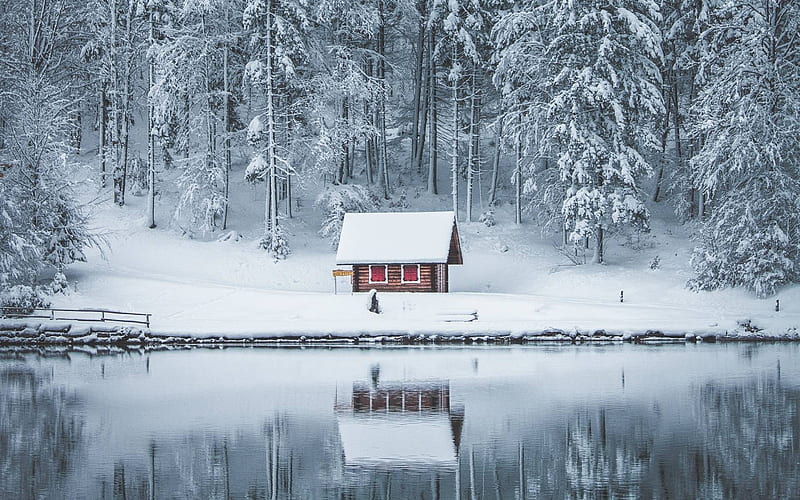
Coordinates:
400	251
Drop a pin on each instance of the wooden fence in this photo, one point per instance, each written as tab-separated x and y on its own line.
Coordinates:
101	315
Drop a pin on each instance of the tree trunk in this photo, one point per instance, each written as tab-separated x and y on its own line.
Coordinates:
454	146
423	119
272	199
101	150
498	137
369	148
418	91
518	177
598	248
433	126
676	121
473	162
151	147
226	105
382	102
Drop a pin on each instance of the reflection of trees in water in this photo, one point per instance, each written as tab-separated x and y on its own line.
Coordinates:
732	441
747	444
40	434
603	459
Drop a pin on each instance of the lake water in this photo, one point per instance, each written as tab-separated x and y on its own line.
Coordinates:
613	421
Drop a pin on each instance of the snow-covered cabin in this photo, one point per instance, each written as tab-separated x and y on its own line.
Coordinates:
400	251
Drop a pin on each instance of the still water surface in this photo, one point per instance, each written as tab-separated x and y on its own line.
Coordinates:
677	421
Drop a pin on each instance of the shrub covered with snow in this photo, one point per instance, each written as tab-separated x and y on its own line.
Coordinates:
487	218
59	283
336	201
24	298
137	176
202	200
275	243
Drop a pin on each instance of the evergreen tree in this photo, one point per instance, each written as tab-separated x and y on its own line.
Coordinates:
746	116
276	48
605	97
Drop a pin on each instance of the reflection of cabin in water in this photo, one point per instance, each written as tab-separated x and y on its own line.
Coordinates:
408	424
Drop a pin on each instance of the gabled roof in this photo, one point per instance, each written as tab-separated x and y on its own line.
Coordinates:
399	238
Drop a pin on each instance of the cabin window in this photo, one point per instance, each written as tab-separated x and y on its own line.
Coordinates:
378	274
410	273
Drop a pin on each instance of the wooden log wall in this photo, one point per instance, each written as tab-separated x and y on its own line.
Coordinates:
428	282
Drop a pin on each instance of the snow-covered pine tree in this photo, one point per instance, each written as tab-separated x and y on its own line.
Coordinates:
684	21
336	201
190	58
523	76
342	93
746	116
276	43
605	97
458	44
42	223
20	258
118	39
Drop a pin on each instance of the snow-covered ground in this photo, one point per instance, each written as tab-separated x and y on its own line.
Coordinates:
512	275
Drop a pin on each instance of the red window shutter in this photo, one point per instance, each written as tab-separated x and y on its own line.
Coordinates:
377	273
410	272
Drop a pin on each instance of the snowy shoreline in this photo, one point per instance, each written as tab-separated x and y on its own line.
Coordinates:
21	332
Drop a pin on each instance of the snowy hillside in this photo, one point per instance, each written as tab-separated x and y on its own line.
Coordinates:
195	160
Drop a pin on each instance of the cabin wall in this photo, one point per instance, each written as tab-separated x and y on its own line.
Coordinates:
429	274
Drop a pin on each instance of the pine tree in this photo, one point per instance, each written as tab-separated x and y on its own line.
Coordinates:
605	98
41	223
189	58
746	116
275	26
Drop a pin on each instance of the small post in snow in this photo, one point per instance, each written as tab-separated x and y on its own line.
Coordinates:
621	296
778	305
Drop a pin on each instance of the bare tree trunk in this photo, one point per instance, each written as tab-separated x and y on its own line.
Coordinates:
226	106
382	102
518	177
101	150
433	122
126	105
423	119
454	146
369	148
418	91
272	208
498	138
151	146
473	161
115	105
598	248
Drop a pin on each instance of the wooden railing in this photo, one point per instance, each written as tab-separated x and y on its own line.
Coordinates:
101	315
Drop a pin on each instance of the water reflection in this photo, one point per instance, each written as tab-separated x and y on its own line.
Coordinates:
716	422
41	434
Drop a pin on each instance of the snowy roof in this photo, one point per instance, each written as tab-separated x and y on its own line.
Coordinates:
397	439
397	237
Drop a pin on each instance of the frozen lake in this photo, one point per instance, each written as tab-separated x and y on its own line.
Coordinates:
619	421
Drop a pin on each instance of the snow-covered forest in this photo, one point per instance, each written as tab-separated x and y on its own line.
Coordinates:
581	115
